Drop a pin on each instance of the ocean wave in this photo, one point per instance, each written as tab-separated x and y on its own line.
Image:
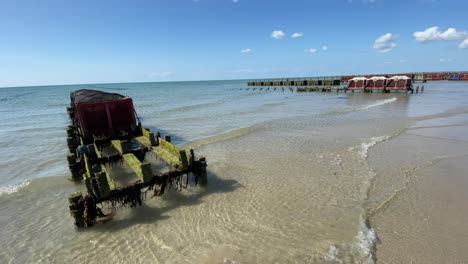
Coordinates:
332	255
9	189
365	146
362	251
187	108
367	239
219	138
377	103
361	107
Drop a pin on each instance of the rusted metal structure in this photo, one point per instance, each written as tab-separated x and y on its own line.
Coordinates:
118	160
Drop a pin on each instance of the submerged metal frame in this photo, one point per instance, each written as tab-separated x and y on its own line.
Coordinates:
130	148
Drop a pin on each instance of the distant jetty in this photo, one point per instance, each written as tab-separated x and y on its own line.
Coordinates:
338	80
369	83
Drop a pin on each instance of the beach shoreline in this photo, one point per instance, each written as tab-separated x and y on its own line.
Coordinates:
423	219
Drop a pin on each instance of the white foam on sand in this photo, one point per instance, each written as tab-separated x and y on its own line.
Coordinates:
332	255
366	242
362	107
229	261
9	189
365	146
362	251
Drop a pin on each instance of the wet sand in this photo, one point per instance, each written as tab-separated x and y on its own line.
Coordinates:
418	198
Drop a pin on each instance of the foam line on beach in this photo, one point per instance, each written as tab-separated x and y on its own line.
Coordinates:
9	189
377	103
219	138
365	146
362	251
362	107
367	239
363	149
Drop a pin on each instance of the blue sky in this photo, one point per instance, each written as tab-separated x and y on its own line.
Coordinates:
69	42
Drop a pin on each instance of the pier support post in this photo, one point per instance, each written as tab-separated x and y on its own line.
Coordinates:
191	159
153	139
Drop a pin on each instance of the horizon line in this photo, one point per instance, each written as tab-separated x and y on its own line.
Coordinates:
213	80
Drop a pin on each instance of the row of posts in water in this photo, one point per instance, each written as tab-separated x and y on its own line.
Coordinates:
301	82
319	89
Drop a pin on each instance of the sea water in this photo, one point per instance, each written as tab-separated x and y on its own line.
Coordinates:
288	176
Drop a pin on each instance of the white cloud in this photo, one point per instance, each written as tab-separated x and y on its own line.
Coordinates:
297	35
247	50
387	62
385	43
434	34
402	61
464	44
311	50
445	60
277	34
324	48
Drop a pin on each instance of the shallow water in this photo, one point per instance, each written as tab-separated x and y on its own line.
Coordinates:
289	179
417	201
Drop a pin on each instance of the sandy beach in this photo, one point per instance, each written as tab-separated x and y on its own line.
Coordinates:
423	217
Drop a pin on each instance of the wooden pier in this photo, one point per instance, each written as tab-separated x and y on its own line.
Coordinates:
333	81
365	84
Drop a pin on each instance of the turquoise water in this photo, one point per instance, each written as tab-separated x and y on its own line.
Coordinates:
288	176
33	118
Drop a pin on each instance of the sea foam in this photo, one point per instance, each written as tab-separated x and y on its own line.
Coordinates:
377	103
9	189
362	251
365	146
366	242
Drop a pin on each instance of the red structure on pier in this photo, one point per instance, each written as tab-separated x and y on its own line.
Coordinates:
402	83
376	83
380	83
357	83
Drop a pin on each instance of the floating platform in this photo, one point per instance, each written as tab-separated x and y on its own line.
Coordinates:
118	160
